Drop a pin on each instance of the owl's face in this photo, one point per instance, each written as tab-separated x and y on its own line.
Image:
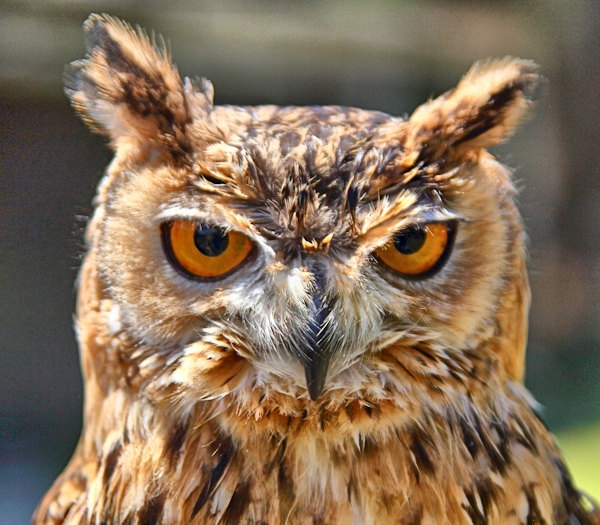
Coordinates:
302	240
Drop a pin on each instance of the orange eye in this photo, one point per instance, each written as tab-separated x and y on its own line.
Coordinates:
419	250
200	251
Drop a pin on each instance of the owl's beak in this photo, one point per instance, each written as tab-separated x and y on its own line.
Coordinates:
316	352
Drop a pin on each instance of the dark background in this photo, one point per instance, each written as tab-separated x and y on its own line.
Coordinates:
381	55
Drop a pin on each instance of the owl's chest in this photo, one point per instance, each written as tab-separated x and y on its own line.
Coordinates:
306	480
203	469
456	467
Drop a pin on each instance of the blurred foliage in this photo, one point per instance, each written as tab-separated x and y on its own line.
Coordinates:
581	447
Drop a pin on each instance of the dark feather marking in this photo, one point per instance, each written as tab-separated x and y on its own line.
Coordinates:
357	165
534	516
324	418
484	118
277	457
472	509
403	366
419	444
239	502
143	92
110	463
489	114
502	430
498	462
469	438
349	409
416	516
456	376
228	379
351	492
286	492
151	512
153	84
351	203
301	207
489	493
99	37
425	352
436	377
301	191
385	158
175	442
215	476
525	438
422	457
262	177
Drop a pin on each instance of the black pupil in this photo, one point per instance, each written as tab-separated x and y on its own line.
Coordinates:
211	241
410	240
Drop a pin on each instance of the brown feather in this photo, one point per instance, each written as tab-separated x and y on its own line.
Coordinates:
199	407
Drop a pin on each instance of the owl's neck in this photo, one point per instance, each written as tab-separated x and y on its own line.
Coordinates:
357	463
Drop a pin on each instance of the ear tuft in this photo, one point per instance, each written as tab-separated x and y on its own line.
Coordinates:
127	87
484	109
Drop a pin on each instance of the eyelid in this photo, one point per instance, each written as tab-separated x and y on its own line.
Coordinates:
185	214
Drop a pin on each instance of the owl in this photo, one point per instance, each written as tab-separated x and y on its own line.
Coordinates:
303	315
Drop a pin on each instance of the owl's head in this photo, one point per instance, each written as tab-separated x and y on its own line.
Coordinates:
311	250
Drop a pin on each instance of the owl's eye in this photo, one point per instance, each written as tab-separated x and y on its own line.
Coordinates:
419	250
202	252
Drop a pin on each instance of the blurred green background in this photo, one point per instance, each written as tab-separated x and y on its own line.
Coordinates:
381	55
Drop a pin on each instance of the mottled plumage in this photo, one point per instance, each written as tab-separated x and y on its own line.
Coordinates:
303	314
